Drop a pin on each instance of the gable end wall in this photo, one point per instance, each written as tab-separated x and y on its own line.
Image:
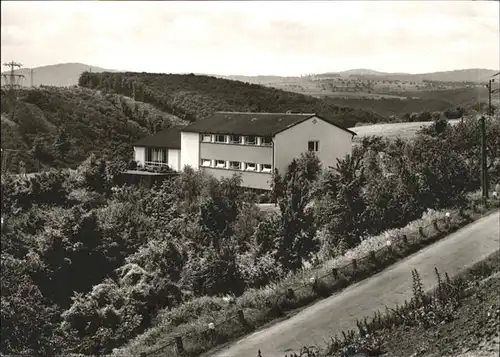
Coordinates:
291	143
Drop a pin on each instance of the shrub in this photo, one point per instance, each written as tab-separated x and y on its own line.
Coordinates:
213	273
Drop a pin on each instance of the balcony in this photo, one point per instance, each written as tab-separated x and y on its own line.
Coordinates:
156	164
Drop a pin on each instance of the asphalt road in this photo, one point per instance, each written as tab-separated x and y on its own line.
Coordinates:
316	324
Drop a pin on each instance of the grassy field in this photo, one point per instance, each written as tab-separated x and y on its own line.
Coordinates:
392	130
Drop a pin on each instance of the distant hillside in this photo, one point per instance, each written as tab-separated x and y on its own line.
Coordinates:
193	97
388	94
475	75
60	75
422	101
472	75
84	120
362	72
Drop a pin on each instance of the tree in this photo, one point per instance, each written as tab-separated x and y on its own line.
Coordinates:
39	151
62	143
296	237
342	206
277	187
93	175
26	315
438	128
219	210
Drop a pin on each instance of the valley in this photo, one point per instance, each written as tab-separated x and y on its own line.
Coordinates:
140	266
110	109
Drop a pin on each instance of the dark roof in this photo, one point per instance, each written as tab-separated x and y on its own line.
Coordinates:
169	138
246	123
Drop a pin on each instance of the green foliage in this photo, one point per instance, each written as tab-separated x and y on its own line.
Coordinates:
341	207
219	210
62	143
424	309
454	113
40	152
259	269
60	127
439	127
47	188
193	97
213	272
390	183
93	175
465	139
296	235
27	317
122	255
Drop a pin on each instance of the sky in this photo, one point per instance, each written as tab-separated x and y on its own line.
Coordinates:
254	37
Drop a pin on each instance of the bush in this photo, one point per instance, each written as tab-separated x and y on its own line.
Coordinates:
456	113
214	273
126	254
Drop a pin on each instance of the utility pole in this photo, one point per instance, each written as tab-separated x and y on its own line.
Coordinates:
489	96
31	77
491	91
484	163
484	167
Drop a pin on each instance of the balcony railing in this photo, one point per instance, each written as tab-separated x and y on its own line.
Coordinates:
155	164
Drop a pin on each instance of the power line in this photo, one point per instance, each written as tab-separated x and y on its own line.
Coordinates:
13	79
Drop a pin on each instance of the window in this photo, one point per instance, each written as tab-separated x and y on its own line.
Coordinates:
267	141
313	145
251	140
235	139
157	155
220	138
220	164
235	165
206	138
206	162
250	166
266	167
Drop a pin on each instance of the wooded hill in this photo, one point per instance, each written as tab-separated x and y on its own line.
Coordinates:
60	127
193	97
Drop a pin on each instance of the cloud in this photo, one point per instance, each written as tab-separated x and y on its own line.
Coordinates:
244	37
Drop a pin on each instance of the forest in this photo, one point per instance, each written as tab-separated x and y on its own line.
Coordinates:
54	127
88	266
193	97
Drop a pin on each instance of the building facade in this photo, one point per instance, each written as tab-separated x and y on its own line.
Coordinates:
253	145
160	150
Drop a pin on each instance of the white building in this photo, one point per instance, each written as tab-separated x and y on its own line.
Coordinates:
249	144
161	149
